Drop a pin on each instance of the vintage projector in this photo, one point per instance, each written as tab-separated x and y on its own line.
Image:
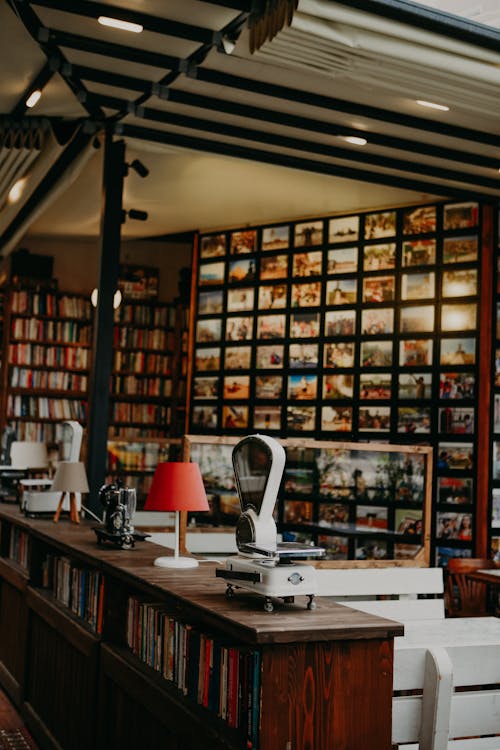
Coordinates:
264	565
119	509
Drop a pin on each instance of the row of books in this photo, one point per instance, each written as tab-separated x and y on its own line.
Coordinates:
138	431
70	331
46	408
136	456
19	546
148	413
211	671
65	357
49	303
79	589
57	380
153	364
146	315
153	338
133	386
38	432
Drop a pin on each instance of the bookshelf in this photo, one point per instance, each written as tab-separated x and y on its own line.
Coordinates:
115	679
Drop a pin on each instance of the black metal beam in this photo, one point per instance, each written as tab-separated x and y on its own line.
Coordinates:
294	162
282	141
39	82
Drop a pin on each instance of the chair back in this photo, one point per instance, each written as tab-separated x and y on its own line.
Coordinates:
463	597
26	454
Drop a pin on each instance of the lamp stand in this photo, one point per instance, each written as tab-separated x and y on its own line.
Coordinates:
73	512
176	561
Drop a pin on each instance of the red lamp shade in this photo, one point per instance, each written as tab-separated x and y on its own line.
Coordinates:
177	486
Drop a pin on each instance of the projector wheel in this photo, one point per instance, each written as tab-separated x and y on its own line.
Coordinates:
268	605
311	604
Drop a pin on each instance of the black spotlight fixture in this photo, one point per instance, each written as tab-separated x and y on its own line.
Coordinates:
139	168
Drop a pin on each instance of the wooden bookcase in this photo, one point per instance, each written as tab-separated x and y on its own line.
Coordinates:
79	689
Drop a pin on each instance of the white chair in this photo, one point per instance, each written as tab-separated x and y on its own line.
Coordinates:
25	457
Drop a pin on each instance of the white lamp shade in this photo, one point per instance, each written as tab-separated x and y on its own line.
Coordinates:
70	477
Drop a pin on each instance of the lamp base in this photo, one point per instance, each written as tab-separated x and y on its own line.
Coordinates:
176	562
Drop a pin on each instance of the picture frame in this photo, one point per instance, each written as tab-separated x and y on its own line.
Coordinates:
339	354
207	359
208	330
297	511
417	319
236	387
308	233
420	220
371	516
457	385
340	323
497	367
416	286
415	352
237	357
213	454
455	456
380	224
272	296
268	386
234	416
343	229
336	418
303	356
460	249
379	289
375	386
414	385
374	353
241	299
457	351
333	513
341	292
241	270
302	387
206	387
450	525
460	215
205	417
416	253
300	418
210	274
456	420
377	321
239	328
414	420
273	267
459	282
243	241
210	303
307	264
213	245
138	282
304	325
379	257
266	417
270	357
342	260
275	238
455	490
458	317
271	326
374	418
339	386
306	294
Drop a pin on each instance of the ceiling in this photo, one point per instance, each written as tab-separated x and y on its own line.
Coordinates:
254	135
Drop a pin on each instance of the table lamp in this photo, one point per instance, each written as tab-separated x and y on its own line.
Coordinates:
70	477
177	486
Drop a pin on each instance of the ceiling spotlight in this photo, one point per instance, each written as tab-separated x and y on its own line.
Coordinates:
433	105
16	190
134	213
354	139
228	45
33	98
117	23
139	168
117	298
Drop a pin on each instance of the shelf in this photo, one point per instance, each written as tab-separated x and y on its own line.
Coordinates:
38	342
62	619
14	573
36	392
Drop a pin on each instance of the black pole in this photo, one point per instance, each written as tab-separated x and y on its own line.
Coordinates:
102	355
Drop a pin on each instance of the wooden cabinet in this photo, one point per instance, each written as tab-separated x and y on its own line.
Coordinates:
324	676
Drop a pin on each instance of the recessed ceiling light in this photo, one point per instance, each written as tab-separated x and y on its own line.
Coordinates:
354	139
433	105
16	190
33	98
117	23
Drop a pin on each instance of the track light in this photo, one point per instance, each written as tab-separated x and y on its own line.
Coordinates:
117	298
139	168
16	190
134	213
33	98
117	23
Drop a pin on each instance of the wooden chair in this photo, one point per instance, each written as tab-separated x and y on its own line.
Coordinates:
463	597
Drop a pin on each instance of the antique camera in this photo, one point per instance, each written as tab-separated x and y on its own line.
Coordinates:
119	509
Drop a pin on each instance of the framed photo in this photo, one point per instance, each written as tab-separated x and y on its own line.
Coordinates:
271	326
374	418
339	354
418	285
272	297
336	547
301	418
460	215
496	459
307	264
237	357
379	257
457	385
460	249
266	417
374	386
303	355
304	325
211	273
340	322
273	267
382	224
376	354
408	520
414	385
341	292
138	282
454	526
497	367
456	420
457	352
308	233
372	516
415	352
205	417
243	242
206	387
302	387
455	456
414	419
212	245
342	260
461	282
268	386
379	288
336	419
213	455
495	507
276	238
498	321
338	386
208	330
496	413
330	513
377	321
236	386
297	511
234	417
419	220
456	490
306	295
418	253
459	317
239	329
270	357
242	269
419	319
239	300
207	359
210	303
343	229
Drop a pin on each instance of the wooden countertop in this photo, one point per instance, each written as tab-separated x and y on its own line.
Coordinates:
200	594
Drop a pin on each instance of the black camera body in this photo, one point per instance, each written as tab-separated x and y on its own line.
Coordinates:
119	508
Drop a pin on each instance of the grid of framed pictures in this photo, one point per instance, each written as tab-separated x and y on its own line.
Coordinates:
347	328
495	473
358	502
